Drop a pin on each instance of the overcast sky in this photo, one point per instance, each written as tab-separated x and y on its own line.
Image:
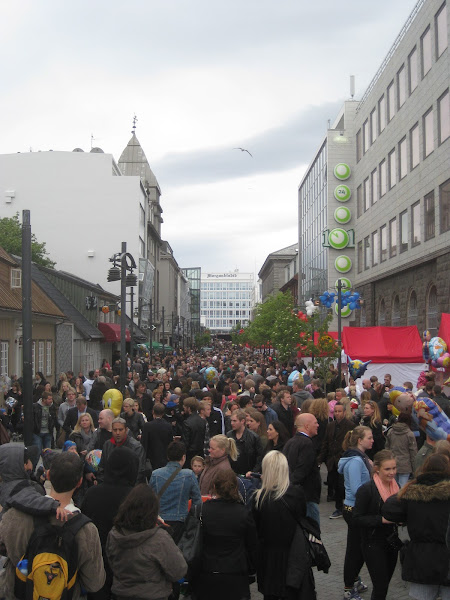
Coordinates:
203	77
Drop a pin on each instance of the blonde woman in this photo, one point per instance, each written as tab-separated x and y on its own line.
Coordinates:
221	451
371	418
134	420
277	509
82	433
256	422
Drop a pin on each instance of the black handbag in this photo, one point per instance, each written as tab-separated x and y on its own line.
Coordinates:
190	543
394	541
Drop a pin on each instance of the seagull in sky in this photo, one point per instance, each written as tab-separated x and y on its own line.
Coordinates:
244	150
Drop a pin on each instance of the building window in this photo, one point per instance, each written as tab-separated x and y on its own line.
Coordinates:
383	181
425	45
358	146
4	356
396	312
443	117
360	257
41	357
374	186
392	169
412	311
366	253
381	113
444	205
141	215
428	133
391	101
415	224
373	125
381	313
429	215
392	238
366	194
412	71
375	248
366	141
401	87
403	231
432	311
359	200
402	159
141	247
441	30
48	361
16	278
383	243
415	148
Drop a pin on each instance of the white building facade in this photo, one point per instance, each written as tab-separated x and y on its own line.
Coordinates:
226	300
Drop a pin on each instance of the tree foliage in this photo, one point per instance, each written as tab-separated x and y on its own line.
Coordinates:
203	339
11	241
326	350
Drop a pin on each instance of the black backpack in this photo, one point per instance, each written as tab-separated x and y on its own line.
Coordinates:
48	570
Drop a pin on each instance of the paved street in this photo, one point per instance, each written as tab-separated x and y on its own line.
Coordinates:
330	586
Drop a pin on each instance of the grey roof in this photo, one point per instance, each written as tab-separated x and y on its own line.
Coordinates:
289	250
133	161
87	330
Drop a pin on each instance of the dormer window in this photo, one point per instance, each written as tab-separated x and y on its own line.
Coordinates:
16	278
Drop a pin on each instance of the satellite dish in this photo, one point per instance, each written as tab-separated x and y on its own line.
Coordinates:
77	150
97	151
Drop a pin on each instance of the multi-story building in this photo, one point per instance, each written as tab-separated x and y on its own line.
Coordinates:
272	273
374	205
226	300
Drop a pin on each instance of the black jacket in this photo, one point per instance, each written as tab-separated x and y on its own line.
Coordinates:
251	453
108	451
156	436
424	505
331	450
286	416
303	468
96	394
72	417
367	514
135	423
37	418
379	441
229	538
193	436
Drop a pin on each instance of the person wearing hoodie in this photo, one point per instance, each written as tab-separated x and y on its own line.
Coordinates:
144	559
402	441
356	468
44	421
101	502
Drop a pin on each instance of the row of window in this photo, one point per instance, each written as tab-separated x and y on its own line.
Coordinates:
222	323
405	82
389	239
394	168
225	313
224	304
226	285
44	357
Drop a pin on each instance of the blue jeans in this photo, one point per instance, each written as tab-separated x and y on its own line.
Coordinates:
42	440
312	511
402	479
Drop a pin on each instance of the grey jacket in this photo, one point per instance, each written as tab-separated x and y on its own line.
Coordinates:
144	563
401	440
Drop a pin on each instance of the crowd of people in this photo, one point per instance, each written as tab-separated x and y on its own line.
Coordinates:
237	440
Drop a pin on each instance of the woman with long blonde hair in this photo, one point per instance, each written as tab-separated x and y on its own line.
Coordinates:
83	433
222	450
278	507
371	418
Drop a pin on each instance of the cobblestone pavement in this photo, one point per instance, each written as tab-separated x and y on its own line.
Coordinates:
334	535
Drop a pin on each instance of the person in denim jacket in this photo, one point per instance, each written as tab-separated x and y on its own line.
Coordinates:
174	501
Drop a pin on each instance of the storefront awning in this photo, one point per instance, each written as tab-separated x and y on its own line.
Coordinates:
111	332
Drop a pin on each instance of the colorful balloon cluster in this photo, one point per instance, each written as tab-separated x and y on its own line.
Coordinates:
350	299
310	308
435	351
327	298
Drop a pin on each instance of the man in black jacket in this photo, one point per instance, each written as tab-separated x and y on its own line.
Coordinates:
302	461
121	438
44	421
331	452
74	413
156	437
283	409
250	450
194	428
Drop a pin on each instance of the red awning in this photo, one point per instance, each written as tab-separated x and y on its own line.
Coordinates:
383	344
111	332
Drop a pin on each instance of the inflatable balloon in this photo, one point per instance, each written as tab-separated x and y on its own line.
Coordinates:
92	460
294	376
426	414
210	374
357	368
310	308
113	400
436	347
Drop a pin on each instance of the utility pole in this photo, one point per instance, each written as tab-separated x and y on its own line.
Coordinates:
27	330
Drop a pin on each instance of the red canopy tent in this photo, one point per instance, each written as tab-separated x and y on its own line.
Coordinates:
383	344
444	329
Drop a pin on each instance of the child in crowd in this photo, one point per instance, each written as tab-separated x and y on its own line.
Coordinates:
197	465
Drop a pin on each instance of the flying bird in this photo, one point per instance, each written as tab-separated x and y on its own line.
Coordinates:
244	150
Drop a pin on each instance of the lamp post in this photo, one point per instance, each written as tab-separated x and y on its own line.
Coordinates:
27	330
127	263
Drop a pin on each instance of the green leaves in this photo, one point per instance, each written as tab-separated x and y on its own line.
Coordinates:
11	241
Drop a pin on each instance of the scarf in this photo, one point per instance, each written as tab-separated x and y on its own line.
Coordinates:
384	490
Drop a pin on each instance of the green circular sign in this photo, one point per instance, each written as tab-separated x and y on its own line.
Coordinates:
342	215
346	284
342	193
343	264
338	238
342	171
346	311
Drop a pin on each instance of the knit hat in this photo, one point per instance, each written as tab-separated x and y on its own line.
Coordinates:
67	445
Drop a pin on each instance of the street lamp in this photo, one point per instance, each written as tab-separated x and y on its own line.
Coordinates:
127	263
